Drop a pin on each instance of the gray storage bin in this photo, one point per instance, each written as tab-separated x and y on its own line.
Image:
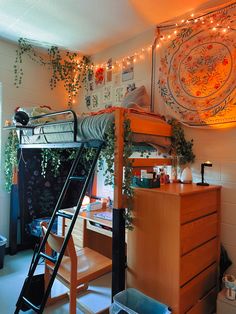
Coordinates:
133	301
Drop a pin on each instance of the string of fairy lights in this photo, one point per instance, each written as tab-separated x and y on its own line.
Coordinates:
216	21
212	20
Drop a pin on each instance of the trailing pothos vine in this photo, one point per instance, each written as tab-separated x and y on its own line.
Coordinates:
179	145
67	67
52	157
11	161
107	154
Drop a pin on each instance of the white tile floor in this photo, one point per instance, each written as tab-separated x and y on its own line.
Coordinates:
96	299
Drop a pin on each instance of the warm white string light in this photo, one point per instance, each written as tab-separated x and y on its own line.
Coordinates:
209	20
135	57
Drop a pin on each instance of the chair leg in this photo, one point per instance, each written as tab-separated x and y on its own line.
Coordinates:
52	300
72	296
47	277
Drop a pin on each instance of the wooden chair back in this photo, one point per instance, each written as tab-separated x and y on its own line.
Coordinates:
55	242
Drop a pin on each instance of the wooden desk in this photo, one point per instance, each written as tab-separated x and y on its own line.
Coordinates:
90	231
102	226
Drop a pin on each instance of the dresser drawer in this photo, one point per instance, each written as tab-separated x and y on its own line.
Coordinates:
194	206
99	228
206	305
197	232
197	260
197	288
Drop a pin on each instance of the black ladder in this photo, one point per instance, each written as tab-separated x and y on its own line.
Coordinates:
25	300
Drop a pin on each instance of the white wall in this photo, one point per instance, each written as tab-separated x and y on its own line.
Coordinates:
217	145
142	67
34	91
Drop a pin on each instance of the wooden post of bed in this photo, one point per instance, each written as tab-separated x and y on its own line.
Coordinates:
118	223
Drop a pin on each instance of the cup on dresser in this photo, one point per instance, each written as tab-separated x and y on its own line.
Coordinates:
230	286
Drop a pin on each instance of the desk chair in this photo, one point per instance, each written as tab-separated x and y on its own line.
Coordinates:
77	268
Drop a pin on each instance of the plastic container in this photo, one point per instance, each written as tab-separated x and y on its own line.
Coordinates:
145	182
3	242
133	301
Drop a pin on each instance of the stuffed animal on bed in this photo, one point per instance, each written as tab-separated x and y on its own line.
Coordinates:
22	115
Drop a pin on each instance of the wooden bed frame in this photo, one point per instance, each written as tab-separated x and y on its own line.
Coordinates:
151	126
142	124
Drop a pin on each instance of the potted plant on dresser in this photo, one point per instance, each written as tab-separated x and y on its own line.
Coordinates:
182	154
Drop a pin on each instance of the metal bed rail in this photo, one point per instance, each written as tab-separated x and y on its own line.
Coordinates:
33	126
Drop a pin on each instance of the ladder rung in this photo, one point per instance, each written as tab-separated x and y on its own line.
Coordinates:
31	305
48	257
77	178
61	214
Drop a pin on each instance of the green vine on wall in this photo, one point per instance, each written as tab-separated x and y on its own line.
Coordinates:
11	161
67	67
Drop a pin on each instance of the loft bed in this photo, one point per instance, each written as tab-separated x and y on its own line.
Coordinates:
66	129
71	132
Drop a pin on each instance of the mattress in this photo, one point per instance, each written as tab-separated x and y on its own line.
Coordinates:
88	128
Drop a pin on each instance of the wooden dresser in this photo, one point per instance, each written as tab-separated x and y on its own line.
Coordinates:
173	251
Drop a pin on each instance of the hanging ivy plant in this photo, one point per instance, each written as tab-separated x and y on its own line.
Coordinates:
69	68
11	162
52	158
107	155
127	182
179	145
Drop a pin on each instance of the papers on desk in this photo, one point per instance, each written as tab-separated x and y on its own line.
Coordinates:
104	215
91	206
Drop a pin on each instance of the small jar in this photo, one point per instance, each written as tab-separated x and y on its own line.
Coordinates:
231	293
230	285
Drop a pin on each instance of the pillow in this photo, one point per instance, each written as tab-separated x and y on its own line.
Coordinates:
137	96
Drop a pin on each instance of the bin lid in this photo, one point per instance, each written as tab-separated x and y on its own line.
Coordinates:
135	302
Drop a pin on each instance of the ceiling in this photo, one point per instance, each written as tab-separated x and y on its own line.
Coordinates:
88	26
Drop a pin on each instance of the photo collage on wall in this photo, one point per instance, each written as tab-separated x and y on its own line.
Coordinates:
107	86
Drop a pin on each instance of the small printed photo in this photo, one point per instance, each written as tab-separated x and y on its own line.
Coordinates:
109	76
128	69
119	94
99	76
116	79
107	94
